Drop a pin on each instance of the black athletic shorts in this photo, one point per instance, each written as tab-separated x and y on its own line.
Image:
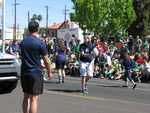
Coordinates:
60	64
32	84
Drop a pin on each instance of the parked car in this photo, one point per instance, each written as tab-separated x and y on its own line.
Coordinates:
9	72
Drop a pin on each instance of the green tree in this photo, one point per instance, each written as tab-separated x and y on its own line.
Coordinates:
104	16
141	26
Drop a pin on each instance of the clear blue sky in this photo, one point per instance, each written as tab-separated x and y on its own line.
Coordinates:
56	11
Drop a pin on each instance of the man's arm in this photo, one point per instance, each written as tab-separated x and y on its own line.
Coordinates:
47	65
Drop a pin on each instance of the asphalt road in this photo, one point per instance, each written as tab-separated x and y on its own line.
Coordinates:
105	96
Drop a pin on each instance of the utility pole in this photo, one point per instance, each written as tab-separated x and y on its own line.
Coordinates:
3	26
65	13
15	25
28	17
46	16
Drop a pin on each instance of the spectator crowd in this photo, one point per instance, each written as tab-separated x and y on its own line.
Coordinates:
108	64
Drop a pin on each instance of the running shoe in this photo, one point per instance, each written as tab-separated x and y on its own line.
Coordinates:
134	86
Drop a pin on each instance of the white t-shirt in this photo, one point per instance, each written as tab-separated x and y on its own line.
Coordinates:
147	67
109	62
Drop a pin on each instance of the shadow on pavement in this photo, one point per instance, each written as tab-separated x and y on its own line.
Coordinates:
114	86
65	90
52	82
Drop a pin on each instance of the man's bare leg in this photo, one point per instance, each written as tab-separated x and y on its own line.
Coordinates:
63	75
86	80
26	103
59	75
83	83
33	104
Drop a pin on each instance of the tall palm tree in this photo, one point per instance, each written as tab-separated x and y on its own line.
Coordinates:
37	17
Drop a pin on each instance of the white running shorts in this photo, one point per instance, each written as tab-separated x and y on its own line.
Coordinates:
86	68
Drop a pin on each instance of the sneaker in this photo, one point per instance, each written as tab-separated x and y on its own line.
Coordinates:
44	78
84	91
102	77
59	80
63	81
134	86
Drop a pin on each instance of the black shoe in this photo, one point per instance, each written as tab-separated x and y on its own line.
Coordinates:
134	86
63	81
